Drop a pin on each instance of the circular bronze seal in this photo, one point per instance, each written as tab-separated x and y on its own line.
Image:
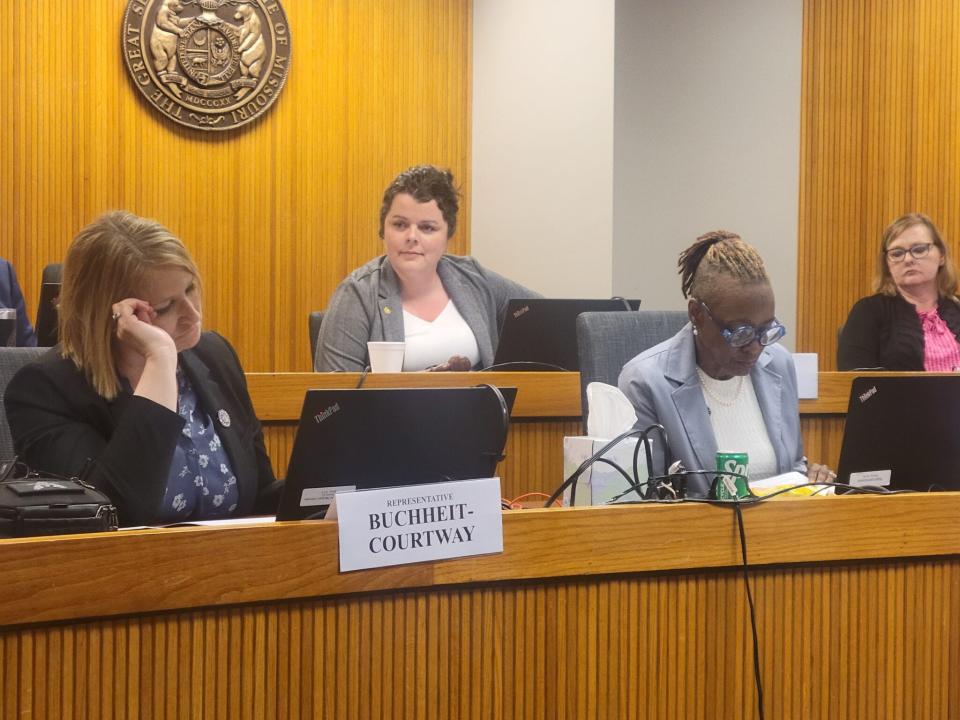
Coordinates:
207	64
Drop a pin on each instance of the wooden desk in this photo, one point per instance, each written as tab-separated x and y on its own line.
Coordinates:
627	612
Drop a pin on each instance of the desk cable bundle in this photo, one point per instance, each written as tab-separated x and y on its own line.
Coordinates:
670	487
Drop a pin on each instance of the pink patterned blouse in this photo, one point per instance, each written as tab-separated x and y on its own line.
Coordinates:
941	352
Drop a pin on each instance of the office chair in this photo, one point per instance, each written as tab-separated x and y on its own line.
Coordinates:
11	360
52	273
606	341
46	324
315	321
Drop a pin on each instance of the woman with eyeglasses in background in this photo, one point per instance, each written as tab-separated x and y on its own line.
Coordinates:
913	320
722	383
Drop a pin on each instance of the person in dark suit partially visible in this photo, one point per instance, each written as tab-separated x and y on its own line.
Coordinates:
137	399
12	297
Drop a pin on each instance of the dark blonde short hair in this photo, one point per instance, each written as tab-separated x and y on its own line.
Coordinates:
108	261
946	275
707	266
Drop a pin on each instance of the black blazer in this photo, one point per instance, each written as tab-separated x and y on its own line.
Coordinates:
885	332
124	447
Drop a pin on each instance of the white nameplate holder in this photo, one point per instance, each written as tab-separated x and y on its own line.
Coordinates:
417	523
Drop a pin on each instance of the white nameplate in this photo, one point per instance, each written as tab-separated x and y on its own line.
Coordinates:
880	478
807	375
394	526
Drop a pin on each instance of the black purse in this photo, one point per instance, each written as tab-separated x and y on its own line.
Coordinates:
45	504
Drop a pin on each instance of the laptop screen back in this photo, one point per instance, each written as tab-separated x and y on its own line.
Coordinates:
363	439
903	433
544	331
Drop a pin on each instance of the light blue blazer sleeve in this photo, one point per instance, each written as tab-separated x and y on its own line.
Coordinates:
663	386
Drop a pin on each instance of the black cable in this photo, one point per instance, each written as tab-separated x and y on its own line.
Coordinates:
753	612
523	366
571	481
363	377
504	417
620	470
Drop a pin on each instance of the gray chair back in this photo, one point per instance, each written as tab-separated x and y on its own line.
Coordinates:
315	321
11	360
606	341
52	273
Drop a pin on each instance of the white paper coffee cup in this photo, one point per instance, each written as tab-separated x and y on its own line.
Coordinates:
386	357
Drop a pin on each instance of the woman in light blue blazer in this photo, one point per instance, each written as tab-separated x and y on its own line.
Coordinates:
722	383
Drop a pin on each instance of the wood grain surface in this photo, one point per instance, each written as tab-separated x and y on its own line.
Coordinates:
276	213
593	612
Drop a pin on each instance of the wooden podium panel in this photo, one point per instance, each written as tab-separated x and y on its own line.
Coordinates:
626	612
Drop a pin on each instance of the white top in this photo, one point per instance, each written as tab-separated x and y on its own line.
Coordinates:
432	343
737	422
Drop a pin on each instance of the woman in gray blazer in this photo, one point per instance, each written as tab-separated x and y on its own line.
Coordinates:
722	383
440	305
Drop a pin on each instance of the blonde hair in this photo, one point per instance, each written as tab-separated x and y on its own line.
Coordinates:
946	275
109	260
715	258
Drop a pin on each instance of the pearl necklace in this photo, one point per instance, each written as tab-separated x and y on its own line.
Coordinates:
705	383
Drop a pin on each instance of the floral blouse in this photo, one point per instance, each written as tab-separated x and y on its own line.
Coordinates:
202	485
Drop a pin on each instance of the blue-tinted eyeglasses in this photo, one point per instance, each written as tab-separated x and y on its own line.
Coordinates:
743	335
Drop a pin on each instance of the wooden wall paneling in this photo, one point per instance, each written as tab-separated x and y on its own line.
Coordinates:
276	213
880	103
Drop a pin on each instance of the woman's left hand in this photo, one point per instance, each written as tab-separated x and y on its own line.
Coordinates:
817	473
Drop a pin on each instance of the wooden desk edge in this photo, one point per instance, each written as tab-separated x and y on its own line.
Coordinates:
141	571
279	396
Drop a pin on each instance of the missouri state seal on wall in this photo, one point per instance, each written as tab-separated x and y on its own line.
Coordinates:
207	64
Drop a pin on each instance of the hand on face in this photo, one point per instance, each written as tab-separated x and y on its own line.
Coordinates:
136	331
166	320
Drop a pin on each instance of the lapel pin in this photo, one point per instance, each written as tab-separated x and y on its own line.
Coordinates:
224	417
387	310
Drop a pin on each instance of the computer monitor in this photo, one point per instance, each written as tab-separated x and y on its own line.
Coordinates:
372	438
902	433
541	333
48	316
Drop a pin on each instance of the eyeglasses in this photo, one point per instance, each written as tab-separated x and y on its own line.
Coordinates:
918	251
743	335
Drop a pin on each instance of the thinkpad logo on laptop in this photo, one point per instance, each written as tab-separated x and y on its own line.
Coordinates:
320	417
868	394
520	311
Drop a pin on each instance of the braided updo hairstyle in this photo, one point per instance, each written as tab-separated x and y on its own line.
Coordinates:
707	266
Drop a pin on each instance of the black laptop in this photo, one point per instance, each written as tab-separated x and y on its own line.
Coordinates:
903	433
363	439
541	333
48	318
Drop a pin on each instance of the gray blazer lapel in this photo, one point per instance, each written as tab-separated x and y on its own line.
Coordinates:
688	400
768	385
470	310
390	304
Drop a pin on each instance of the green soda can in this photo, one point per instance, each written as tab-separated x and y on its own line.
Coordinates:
730	486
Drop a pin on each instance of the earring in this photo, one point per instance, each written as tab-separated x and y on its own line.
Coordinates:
696	330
